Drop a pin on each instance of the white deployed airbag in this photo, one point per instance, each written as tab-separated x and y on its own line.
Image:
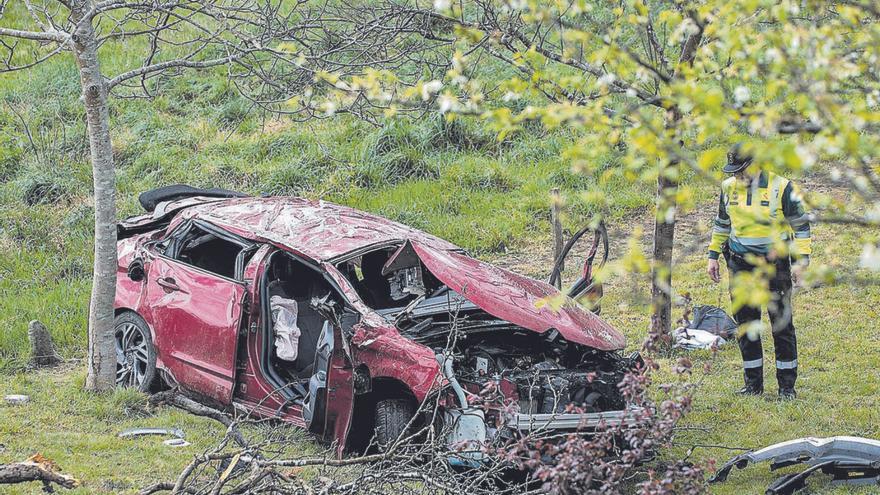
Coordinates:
284	314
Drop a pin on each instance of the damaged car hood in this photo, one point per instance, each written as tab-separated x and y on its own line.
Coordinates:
518	299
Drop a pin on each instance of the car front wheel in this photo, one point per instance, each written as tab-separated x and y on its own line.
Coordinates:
135	353
392	418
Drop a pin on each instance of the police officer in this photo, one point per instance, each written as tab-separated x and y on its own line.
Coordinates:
760	216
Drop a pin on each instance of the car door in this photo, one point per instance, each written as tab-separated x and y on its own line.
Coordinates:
330	399
196	311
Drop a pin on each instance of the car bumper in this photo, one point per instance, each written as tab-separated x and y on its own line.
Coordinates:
585	421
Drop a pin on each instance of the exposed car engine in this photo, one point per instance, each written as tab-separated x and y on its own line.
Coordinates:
547	374
543	373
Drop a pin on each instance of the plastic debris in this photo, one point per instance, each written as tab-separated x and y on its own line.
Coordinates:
692	338
16	399
850	460
137	432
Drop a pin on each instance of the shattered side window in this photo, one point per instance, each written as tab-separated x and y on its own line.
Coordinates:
209	252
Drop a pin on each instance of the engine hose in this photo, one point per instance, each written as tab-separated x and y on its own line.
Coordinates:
446	363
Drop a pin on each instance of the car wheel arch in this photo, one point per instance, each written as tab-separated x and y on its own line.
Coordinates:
364	420
122	310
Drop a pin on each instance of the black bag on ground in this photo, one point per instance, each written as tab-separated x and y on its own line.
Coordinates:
714	320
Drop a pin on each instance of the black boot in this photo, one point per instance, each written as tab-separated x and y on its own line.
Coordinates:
786	379
787	394
754	382
750	390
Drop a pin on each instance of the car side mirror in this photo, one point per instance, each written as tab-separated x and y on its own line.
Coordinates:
136	270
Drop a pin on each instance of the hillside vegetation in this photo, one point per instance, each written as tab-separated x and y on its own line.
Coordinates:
452	179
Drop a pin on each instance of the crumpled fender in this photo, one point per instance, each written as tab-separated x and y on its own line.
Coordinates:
387	354
128	292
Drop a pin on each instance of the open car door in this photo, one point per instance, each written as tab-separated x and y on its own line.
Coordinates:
196	308
328	406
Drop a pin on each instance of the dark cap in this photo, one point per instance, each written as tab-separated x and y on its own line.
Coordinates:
737	159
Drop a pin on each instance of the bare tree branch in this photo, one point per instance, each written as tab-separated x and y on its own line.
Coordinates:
56	36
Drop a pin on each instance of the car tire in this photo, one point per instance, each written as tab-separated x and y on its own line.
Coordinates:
135	353
392	418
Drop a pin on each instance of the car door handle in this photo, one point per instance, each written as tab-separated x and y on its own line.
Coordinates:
169	284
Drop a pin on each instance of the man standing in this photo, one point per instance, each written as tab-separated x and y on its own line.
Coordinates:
759	214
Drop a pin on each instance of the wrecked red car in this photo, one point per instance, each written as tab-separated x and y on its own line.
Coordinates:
328	317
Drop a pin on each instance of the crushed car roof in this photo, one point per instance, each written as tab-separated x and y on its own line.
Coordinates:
318	229
327	232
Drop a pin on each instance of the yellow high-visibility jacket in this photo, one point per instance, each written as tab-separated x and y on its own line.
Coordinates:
754	215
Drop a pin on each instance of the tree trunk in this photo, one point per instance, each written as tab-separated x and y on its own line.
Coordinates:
661	269
102	352
556	223
664	223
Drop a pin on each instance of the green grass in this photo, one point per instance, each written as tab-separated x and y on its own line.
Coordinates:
839	348
79	432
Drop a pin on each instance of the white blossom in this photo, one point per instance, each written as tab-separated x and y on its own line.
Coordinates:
431	88
605	79
754	329
806	155
510	96
442	4
741	95
446	103
870	258
873	214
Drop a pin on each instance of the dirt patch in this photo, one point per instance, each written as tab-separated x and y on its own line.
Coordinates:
534	256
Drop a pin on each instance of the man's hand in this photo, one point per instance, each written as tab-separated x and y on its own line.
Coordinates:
714	271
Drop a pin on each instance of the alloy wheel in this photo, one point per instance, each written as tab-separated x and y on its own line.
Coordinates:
132	355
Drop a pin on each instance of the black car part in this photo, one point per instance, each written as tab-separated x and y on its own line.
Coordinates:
584	285
150	199
842	472
851	460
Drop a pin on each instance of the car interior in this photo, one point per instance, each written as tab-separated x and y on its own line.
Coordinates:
224	256
405	278
292	279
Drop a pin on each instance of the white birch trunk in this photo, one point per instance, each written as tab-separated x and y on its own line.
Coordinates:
102	351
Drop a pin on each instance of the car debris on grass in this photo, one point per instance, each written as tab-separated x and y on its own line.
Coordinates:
850	460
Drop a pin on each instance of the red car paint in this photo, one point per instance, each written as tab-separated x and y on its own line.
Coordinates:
202	327
517	299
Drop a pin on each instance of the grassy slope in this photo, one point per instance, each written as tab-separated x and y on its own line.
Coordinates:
839	348
453	180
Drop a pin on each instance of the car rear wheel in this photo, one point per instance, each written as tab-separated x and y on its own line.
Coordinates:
392	418
135	353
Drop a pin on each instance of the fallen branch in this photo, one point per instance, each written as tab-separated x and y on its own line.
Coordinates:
174	398
36	468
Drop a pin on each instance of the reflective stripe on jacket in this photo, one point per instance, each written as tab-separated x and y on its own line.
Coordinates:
753	215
